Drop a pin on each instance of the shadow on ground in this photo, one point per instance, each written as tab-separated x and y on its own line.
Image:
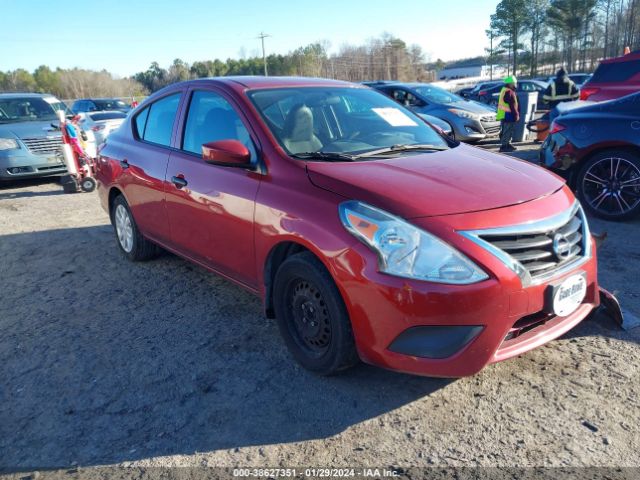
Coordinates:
103	361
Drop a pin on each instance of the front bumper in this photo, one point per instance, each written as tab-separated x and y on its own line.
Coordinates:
497	318
474	130
23	164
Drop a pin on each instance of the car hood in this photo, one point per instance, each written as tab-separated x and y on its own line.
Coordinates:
30	129
472	106
459	180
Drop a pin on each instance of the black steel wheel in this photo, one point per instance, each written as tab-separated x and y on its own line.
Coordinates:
609	185
311	316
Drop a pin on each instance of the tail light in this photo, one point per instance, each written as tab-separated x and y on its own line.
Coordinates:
586	92
97	128
556	127
482	93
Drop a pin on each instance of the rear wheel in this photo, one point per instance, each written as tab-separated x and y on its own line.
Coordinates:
312	317
608	185
130	241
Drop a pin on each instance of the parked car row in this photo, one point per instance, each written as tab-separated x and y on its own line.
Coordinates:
30	140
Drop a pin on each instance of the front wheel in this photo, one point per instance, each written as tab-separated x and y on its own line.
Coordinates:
608	185
312	317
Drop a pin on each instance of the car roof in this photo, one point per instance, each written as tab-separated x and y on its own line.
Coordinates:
255	82
26	94
635	55
98	98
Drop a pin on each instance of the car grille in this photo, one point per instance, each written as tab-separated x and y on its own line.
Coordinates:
539	250
43	145
490	124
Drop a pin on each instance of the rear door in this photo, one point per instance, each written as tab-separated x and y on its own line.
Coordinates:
210	207
144	164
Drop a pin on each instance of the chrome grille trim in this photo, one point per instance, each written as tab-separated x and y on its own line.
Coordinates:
43	145
572	223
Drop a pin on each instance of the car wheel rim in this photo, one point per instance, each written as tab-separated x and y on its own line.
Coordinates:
124	228
310	323
612	186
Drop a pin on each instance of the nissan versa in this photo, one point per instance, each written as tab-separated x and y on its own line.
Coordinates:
367	234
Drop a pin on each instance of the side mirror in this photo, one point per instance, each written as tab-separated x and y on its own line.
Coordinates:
227	153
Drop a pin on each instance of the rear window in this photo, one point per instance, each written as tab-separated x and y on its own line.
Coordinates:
96	117
616	72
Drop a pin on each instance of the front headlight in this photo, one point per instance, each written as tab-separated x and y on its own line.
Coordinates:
406	251
463	113
8	144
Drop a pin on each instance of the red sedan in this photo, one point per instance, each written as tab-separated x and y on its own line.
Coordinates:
367	234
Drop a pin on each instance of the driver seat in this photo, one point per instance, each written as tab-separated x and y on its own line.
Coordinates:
298	134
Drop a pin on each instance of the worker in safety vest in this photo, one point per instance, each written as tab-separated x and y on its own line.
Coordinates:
508	113
562	89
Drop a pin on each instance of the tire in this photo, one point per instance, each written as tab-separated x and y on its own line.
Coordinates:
69	184
312	317
88	184
128	237
608	185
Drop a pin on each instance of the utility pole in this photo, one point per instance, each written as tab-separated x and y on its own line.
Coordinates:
262	36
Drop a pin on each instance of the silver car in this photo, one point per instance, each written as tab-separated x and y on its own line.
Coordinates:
102	123
470	121
30	142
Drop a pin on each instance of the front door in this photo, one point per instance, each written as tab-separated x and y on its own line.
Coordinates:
211	207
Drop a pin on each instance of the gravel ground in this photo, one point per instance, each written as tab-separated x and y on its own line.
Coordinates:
104	362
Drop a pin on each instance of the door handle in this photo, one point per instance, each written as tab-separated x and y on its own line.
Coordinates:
179	182
124	163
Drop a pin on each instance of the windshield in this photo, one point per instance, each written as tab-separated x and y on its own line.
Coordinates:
340	120
110	104
30	109
433	94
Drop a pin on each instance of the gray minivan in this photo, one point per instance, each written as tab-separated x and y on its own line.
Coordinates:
30	146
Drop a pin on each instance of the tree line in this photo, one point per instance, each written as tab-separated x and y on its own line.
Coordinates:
382	58
536	36
69	83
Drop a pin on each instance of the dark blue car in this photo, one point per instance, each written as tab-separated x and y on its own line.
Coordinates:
597	148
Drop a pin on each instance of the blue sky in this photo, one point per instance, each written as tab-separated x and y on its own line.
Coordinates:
124	37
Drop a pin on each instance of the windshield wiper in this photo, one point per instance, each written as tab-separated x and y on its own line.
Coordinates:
329	156
401	148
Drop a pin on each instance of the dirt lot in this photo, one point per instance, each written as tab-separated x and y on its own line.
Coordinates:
104	362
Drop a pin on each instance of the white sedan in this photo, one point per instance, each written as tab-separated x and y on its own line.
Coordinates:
101	124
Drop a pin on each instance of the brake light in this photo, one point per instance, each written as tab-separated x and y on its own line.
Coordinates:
556	127
482	93
585	93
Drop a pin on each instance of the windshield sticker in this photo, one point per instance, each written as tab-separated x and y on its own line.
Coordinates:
50	100
395	117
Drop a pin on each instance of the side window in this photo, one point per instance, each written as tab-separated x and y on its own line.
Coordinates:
212	118
159	121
